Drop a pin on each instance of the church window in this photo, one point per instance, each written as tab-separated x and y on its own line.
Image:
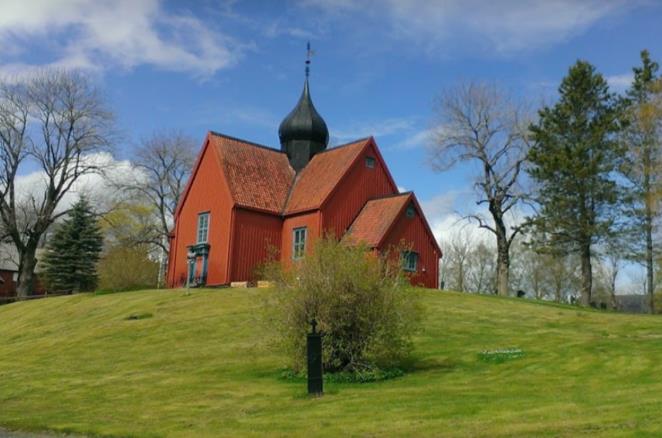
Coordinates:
203	227
370	162
409	260
411	211
298	242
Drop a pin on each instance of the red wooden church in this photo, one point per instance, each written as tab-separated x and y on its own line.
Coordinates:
244	199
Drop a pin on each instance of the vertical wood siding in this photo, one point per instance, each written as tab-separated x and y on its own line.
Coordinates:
208	192
413	231
8	287
254	234
359	186
309	220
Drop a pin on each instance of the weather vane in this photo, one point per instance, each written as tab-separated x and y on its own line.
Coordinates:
309	54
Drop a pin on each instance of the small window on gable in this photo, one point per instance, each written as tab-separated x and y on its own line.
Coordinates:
409	260
203	227
370	162
411	211
298	242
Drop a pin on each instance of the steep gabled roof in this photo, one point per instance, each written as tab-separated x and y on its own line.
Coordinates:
258	177
376	219
322	174
378	216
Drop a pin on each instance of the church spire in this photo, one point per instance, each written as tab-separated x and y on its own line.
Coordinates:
303	133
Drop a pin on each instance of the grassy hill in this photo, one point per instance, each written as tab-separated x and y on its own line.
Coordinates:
198	365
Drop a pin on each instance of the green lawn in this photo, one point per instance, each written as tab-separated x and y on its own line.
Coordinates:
200	366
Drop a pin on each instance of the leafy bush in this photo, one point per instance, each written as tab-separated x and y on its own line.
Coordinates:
127	267
361	302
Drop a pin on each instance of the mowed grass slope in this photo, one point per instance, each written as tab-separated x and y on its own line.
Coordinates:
200	366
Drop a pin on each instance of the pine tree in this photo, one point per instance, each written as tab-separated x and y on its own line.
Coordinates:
71	257
644	163
574	160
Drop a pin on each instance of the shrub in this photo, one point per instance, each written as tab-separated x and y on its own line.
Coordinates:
361	302
127	267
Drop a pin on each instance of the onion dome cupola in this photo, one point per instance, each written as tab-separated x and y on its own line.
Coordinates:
303	133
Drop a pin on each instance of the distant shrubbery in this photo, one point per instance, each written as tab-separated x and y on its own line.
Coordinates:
361	303
126	267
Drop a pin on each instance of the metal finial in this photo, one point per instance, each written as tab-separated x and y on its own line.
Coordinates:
309	54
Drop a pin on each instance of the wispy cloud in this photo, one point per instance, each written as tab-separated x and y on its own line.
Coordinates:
96	34
376	128
504	26
620	82
416	140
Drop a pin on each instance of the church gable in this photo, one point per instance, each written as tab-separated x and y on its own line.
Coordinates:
376	219
202	221
368	178
321	176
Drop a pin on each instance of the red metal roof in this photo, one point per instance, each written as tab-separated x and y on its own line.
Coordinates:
375	219
259	177
322	174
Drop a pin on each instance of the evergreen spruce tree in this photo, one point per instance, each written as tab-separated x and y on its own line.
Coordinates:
574	159
70	262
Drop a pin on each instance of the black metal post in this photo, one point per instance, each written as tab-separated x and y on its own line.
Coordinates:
315	379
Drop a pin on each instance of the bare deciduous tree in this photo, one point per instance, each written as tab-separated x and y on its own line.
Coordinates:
165	161
53	121
455	269
478	123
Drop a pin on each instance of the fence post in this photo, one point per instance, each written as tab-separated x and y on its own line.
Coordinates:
315	376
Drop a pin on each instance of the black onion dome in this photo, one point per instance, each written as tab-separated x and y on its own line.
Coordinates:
304	123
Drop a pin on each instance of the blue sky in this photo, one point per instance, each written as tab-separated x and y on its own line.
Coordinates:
237	66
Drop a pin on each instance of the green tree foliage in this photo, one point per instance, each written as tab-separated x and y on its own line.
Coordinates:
643	165
573	164
72	254
361	302
129	259
127	267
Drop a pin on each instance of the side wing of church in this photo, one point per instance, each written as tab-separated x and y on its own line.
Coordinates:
245	202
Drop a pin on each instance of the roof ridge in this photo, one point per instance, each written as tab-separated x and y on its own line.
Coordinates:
241	140
360	140
392	195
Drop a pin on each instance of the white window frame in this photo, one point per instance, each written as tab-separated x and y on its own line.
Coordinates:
202	227
407	257
299	236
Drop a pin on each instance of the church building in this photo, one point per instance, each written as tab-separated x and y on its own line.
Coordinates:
243	200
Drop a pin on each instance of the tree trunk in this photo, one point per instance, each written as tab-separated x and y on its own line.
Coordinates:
503	268
650	286
503	256
587	274
27	265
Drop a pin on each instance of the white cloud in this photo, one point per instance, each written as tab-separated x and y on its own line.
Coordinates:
93	34
380	128
447	214
504	26
418	139
620	82
98	187
446	221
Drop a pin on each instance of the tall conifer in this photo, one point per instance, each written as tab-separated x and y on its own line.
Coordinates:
573	164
